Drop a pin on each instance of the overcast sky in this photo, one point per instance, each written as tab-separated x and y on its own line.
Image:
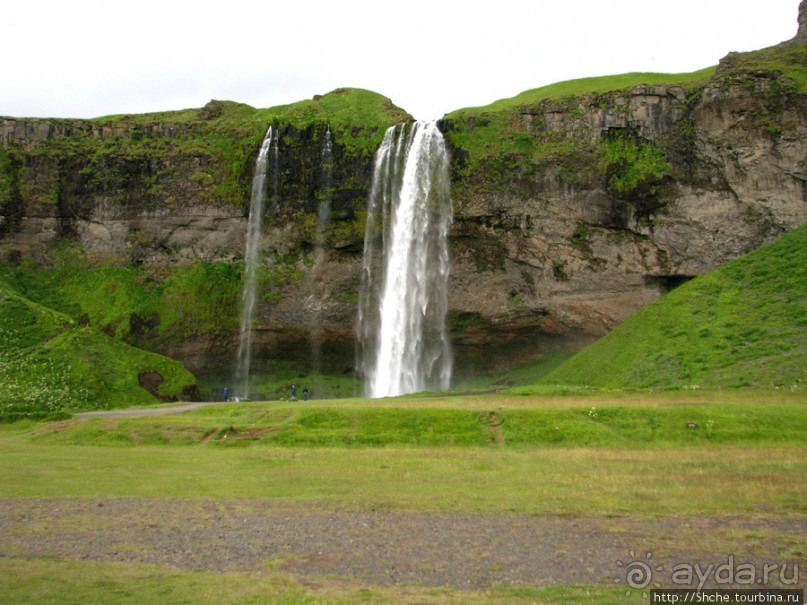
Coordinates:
88	58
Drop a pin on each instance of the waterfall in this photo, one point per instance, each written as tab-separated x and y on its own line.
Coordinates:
324	208
403	344
314	304
253	241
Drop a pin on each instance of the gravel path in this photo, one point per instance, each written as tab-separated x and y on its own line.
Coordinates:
142	412
435	549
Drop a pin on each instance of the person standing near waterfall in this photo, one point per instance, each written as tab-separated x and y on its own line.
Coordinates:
294	392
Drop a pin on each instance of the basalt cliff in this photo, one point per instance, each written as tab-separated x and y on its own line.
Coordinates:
574	206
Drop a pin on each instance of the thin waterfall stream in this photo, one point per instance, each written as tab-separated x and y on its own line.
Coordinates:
265	163
317	299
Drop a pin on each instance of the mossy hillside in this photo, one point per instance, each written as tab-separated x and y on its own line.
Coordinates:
155	308
168	160
158	307
348	111
49	364
148	306
495	137
497	149
588	86
742	325
785	63
143	306
521	375
343	108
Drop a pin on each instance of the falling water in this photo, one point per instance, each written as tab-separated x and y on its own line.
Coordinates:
249	294
324	209
314	304
403	344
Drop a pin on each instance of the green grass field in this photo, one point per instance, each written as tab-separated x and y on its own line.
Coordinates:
50	582
603	455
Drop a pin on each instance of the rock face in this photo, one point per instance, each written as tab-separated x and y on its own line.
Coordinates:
544	254
591	207
801	36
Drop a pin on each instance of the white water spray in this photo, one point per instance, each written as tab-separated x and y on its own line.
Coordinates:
403	342
253	240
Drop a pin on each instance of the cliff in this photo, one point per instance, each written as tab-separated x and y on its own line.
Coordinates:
575	205
578	204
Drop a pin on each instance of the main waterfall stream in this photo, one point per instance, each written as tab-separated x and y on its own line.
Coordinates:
403	343
257	208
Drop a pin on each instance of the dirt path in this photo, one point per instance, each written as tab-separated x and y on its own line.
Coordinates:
374	547
142	412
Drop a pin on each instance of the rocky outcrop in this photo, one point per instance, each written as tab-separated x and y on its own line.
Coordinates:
646	111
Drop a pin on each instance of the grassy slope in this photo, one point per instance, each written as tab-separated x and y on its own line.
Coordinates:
152	307
201	298
585	86
744	324
343	106
789	60
361	117
48	363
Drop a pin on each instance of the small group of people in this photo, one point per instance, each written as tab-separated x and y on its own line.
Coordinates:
294	393
226	393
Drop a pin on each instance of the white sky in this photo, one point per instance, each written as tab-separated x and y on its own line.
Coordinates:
88	58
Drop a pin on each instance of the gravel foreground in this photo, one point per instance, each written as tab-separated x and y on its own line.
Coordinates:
461	550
